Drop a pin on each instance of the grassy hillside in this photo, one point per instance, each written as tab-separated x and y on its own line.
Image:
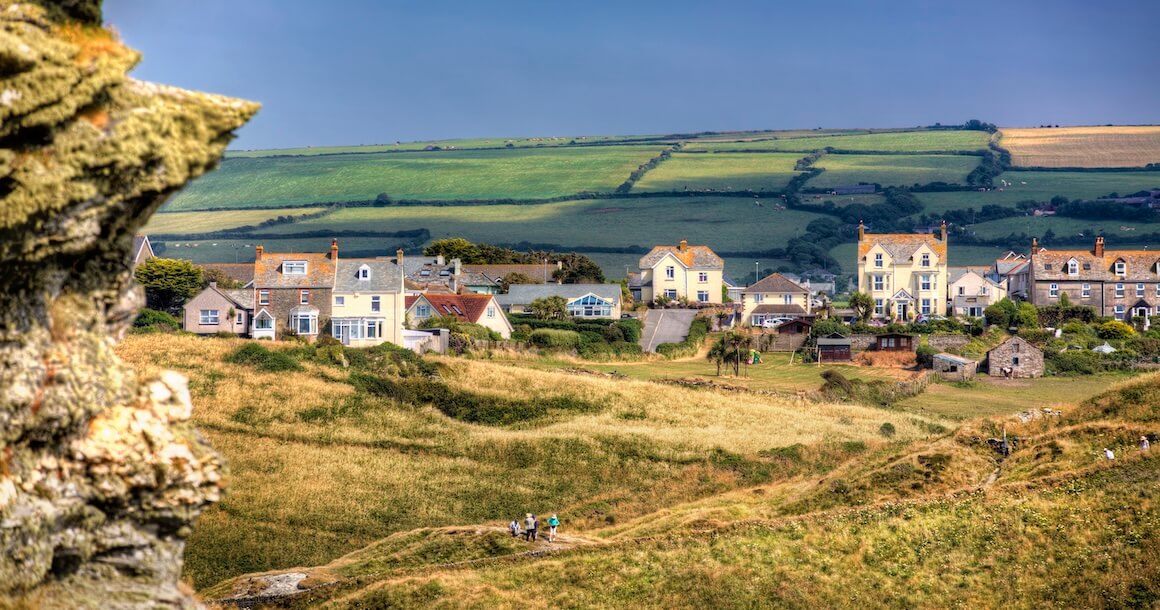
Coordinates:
891	170
1101	146
1042	186
723	172
201	222
907	141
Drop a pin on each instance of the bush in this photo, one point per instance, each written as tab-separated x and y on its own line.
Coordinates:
925	356
555	339
887	430
151	318
1114	329
1078	328
698	330
257	356
1075	362
631	329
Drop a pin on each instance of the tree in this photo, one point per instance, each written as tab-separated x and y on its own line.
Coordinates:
1002	313
219	276
505	284
862	304
382	199
168	283
717	354
578	269
549	308
455	247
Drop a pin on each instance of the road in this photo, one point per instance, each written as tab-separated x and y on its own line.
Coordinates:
665	326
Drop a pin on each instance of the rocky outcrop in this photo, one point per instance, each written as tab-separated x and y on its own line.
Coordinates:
101	474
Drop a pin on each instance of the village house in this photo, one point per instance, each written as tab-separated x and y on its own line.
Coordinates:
687	272
142	250
431	274
905	274
582	301
367	301
775	296
293	292
216	310
1012	270
242	273
479	309
1117	283
488	279
1015	358
970	291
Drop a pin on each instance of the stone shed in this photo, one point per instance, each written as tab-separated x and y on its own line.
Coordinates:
955	368
1015	358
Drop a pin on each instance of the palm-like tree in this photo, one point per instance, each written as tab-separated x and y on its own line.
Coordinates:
718	353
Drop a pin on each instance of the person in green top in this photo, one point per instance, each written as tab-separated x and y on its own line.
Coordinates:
553	523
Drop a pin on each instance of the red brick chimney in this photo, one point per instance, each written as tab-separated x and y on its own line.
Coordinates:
334	249
861	230
1099	251
684	245
944	231
258	252
1034	246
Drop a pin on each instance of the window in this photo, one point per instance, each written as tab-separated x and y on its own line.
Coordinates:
1119	291
423	311
879	307
787	299
304	297
263	322
294	268
1053	291
1087	291
376	304
305	323
925	308
879	282
758	298
1121	268
1087	266
670	293
703	277
263	297
374	329
339	301
925	282
1015	361
491	312
670	272
1140	290
962	290
364	273
925	260
208	316
703	296
984	290
241	318
1015	347
878	260
590	306
1047	266
1072	267
1158	290
1119	312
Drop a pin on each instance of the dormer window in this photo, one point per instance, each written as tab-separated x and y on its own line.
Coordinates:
925	260
364	273
1121	268
1072	267
1087	266
1047	266
294	268
877	260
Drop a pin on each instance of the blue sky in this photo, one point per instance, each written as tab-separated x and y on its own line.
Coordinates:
364	72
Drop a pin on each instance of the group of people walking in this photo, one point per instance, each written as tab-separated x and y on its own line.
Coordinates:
532	527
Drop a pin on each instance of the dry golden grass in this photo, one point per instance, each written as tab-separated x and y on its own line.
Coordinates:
1083	146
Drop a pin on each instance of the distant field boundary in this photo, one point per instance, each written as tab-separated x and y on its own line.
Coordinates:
842	151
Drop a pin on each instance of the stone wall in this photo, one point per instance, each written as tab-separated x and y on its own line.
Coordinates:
101	474
862	342
945	342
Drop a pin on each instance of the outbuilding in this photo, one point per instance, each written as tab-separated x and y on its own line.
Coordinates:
956	368
1015	357
834	348
896	342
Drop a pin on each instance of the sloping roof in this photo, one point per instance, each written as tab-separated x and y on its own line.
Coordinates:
242	297
794	310
466	307
634	279
1012	339
141	246
1010	266
319	270
901	246
385	276
777	283
1140	264
692	257
955	274
522	294
953	358
834	341
498	272
239	272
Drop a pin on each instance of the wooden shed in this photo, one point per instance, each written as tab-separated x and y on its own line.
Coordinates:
956	368
795	327
834	348
895	342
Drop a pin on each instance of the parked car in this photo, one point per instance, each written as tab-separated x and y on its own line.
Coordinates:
774	322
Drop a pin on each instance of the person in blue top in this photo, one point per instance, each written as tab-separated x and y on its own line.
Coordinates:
553	523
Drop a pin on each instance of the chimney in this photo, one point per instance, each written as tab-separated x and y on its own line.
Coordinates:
1034	246
399	257
212	284
684	245
944	231
1099	251
861	230
258	252
334	249
455	267
439	260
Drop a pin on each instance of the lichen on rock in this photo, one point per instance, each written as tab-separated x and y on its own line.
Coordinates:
101	474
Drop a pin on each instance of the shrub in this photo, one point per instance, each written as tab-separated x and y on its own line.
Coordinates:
257	356
698	330
925	356
1114	329
151	318
1075	362
631	329
555	339
1078	328
887	430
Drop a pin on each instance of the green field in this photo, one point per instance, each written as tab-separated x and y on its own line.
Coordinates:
988	397
892	170
221	220
1042	186
724	172
454	144
1061	226
904	141
846	254
466	174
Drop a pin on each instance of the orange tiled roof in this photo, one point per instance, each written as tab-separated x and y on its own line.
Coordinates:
901	245
1139	264
319	270
466	307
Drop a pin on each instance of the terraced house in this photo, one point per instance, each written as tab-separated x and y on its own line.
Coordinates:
904	273
367	302
682	272
292	292
1117	283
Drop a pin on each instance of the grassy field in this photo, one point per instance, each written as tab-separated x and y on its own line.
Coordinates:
454	144
221	220
906	141
959	255
888	170
726	171
1042	186
988	397
465	174
1061	226
1104	146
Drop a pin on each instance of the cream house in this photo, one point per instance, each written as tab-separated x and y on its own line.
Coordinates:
682	271
367	305
970	291
904	273
775	296
479	309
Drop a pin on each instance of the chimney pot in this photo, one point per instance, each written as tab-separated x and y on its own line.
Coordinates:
944	230
861	230
1099	251
684	245
258	252
334	249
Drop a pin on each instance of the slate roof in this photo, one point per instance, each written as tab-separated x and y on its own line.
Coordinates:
775	283
522	294
794	310
466	307
955	274
1005	266
141	245
834	341
239	272
242	297
901	246
498	272
319	270
953	358
1141	265
385	276
1014	338
692	257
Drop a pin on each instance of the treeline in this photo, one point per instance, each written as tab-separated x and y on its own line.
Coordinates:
574	268
415	235
995	161
644	168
